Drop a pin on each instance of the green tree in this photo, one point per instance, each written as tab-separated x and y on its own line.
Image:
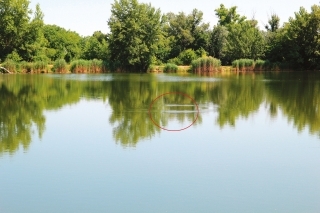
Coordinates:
135	34
62	43
187	32
14	20
219	42
296	45
304	38
227	16
94	47
33	48
243	37
274	23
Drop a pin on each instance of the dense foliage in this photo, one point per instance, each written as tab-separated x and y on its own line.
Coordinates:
141	36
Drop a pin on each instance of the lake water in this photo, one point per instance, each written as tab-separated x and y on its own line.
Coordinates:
100	143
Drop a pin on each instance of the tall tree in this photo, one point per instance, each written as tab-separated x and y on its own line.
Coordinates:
14	20
274	23
33	48
227	16
62	43
135	34
219	42
297	43
187	32
94	47
243	40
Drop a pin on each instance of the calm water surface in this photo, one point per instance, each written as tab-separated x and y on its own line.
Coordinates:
92	143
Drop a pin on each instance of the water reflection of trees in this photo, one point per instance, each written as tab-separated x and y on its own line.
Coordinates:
237	97
298	97
23	99
129	100
18	113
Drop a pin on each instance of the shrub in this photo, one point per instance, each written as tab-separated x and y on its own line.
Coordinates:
170	68
14	56
187	56
175	61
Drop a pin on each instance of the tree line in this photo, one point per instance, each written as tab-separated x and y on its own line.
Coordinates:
141	35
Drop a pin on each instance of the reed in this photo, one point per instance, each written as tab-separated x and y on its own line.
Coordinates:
60	66
11	65
259	65
88	66
170	68
205	64
40	67
26	67
243	64
79	66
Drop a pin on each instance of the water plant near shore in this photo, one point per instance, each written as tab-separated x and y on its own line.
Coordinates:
11	65
60	66
205	64
243	64
88	66
40	67
259	65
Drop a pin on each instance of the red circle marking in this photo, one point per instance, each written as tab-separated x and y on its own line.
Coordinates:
173	130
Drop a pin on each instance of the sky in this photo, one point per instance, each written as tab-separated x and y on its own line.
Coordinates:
87	16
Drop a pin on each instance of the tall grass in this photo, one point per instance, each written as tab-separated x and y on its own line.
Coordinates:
258	65
11	65
79	66
243	64
40	67
88	66
205	64
170	68
60	66
26	67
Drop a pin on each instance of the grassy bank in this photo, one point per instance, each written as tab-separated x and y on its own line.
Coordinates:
59	66
248	65
200	65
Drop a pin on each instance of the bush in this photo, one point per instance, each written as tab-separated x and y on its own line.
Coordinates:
205	64
175	61
201	53
187	56
170	68
60	66
184	58
14	56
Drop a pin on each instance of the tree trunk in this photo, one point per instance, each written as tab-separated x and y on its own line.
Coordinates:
5	70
